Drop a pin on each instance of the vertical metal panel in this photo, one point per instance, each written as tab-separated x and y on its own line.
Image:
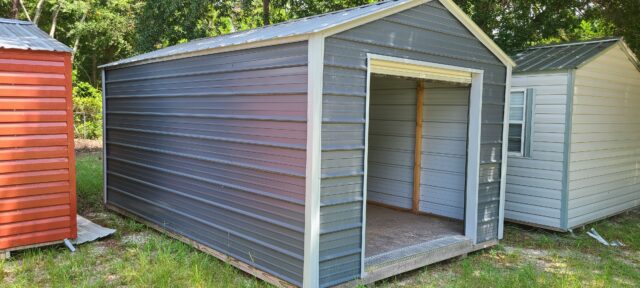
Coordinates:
392	140
605	136
37	165
427	33
444	150
214	148
534	183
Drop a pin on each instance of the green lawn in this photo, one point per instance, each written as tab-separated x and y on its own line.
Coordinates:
139	257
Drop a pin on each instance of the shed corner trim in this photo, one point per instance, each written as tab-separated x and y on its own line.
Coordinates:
315	68
505	153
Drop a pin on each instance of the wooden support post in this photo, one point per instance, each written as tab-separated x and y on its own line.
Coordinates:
417	166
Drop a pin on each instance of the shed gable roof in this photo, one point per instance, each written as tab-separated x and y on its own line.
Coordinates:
566	55
301	29
23	35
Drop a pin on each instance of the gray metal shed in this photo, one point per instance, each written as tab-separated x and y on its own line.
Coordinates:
293	151
574	149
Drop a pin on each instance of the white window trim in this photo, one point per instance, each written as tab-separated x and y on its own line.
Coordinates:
523	122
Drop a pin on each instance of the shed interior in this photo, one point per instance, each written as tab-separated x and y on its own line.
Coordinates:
404	218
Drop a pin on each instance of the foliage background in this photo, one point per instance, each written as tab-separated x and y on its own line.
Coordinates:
102	31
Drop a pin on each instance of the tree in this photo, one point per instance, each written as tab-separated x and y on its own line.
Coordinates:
106	34
516	24
167	22
618	18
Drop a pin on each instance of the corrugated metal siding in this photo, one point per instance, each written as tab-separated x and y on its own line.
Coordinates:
213	148
534	184
444	150
37	166
605	151
392	138
428	33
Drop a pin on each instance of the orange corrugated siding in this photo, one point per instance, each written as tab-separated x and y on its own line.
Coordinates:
37	163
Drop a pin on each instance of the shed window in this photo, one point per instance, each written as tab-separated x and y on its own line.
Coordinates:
517	122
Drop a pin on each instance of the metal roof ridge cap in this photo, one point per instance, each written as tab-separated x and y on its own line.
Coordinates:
557	45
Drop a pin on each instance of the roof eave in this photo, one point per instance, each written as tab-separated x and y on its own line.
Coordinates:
216	50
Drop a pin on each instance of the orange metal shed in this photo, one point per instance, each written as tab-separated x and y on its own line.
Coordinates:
37	163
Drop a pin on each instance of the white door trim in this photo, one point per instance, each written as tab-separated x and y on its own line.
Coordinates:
473	150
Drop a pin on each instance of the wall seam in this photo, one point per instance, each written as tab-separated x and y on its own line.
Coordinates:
564	210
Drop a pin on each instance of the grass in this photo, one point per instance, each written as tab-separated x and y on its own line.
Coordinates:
139	257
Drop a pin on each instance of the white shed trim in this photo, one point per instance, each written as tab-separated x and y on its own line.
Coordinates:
414	69
473	157
505	153
311	270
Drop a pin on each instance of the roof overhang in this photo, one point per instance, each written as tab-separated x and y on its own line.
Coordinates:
340	27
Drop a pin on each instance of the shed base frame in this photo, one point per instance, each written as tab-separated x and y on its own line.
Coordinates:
449	248
271	279
6	253
561	230
550	228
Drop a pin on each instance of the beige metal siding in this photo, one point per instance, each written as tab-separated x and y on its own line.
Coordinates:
534	184
605	142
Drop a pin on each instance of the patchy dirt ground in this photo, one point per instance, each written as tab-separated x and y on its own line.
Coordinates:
87	145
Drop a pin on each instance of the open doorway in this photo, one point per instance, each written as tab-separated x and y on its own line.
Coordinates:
416	168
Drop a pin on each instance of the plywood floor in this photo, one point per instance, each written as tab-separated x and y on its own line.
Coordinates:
388	230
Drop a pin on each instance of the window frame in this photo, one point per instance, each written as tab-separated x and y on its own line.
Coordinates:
522	122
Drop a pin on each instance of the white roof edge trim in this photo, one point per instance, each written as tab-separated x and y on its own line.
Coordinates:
477	31
249	45
340	27
632	56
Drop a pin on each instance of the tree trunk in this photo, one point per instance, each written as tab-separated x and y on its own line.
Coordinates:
54	21
94	70
15	11
77	42
38	12
266	14
24	9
